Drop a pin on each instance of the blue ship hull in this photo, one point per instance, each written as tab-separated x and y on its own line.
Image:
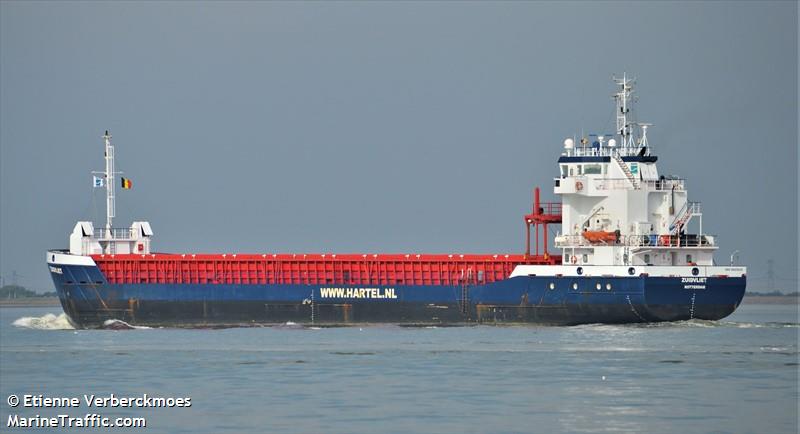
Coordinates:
89	300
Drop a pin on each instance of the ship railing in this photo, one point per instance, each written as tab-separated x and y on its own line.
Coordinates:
604	151
653	185
549	208
686	240
115	233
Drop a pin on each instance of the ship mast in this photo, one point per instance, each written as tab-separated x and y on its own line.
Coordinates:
110	206
85	240
622	97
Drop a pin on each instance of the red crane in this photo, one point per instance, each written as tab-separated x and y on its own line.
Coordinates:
544	213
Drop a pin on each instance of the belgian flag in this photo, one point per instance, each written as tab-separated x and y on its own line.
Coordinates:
126	183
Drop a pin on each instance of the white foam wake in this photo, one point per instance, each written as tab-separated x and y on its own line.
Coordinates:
45	322
118	324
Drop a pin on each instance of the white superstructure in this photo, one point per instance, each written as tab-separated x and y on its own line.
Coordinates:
86	240
617	210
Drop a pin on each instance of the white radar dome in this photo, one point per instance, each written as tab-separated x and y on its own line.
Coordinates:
612	143
569	143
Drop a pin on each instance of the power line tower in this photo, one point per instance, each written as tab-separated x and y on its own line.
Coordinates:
14	279
770	275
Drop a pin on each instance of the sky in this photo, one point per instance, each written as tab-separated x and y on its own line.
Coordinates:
384	127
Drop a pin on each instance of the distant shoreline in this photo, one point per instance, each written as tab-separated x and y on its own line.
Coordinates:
53	301
771	299
30	302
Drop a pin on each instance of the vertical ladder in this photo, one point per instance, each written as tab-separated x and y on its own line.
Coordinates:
313	306
464	305
627	171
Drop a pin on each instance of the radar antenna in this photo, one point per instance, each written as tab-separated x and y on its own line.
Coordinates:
643	140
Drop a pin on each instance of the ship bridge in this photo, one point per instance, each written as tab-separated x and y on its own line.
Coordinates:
617	209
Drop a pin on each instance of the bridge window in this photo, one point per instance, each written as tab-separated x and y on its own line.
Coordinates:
592	169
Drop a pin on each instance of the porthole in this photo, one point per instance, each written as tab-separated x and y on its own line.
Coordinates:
608	286
631	271
552	285
575	286
579	271
598	286
695	271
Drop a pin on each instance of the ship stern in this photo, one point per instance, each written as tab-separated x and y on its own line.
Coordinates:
710	296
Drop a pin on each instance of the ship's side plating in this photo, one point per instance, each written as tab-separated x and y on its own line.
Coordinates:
563	296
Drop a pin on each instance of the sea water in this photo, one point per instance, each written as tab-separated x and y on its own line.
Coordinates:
739	375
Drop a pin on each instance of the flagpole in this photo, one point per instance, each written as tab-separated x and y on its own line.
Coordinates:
110	207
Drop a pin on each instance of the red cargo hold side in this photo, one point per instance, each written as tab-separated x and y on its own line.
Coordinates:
312	269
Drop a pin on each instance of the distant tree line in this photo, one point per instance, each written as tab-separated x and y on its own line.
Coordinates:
774	294
16	291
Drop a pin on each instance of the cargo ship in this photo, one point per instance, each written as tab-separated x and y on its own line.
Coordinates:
631	249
